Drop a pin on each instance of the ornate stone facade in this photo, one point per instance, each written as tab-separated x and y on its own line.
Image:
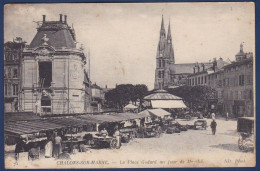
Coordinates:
54	74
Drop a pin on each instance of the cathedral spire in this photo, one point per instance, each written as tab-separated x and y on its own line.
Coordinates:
169	35
162	31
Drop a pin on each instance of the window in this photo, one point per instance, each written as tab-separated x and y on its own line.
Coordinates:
251	95
201	80
160	63
163	62
241	80
15	89
162	74
222	94
236	95
15	73
192	81
249	79
198	80
159	74
231	94
6	89
5	73
205	80
9	72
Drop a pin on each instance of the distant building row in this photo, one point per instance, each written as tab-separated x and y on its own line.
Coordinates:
233	83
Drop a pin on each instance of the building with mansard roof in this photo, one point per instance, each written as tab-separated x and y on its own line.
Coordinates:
55	77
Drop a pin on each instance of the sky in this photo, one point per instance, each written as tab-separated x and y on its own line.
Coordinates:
122	38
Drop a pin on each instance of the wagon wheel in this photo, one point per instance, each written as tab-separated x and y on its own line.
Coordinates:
113	143
240	144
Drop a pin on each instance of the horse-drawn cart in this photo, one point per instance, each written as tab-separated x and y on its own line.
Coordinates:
245	128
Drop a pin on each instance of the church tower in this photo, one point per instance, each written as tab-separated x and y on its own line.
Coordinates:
164	58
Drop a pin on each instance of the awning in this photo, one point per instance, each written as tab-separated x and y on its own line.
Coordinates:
29	127
130	106
67	122
20	116
168	104
155	112
117	117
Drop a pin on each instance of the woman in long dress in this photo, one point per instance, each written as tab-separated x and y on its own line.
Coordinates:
48	149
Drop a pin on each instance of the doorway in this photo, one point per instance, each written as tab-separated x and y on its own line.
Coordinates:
45	74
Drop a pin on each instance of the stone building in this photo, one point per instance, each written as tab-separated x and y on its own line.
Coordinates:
167	73
12	59
98	98
233	83
202	70
238	89
54	76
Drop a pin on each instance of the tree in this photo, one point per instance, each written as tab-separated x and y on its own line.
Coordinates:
122	94
196	97
141	90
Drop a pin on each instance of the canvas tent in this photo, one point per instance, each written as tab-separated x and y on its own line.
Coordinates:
156	113
163	99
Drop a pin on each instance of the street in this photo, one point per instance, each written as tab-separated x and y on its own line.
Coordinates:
192	147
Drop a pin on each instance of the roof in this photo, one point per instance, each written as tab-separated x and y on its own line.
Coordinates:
161	95
118	117
29	127
20	116
67	122
246	118
243	62
33	126
182	68
130	106
155	112
168	104
58	35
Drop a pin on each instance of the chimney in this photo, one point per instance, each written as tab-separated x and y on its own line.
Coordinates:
203	67
60	17
65	19
43	18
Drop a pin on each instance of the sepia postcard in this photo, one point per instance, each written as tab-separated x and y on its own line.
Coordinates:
129	85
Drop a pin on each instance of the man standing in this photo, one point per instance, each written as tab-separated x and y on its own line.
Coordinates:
213	126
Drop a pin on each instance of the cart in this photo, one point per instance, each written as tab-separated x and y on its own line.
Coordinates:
153	130
104	141
245	129
128	133
200	124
